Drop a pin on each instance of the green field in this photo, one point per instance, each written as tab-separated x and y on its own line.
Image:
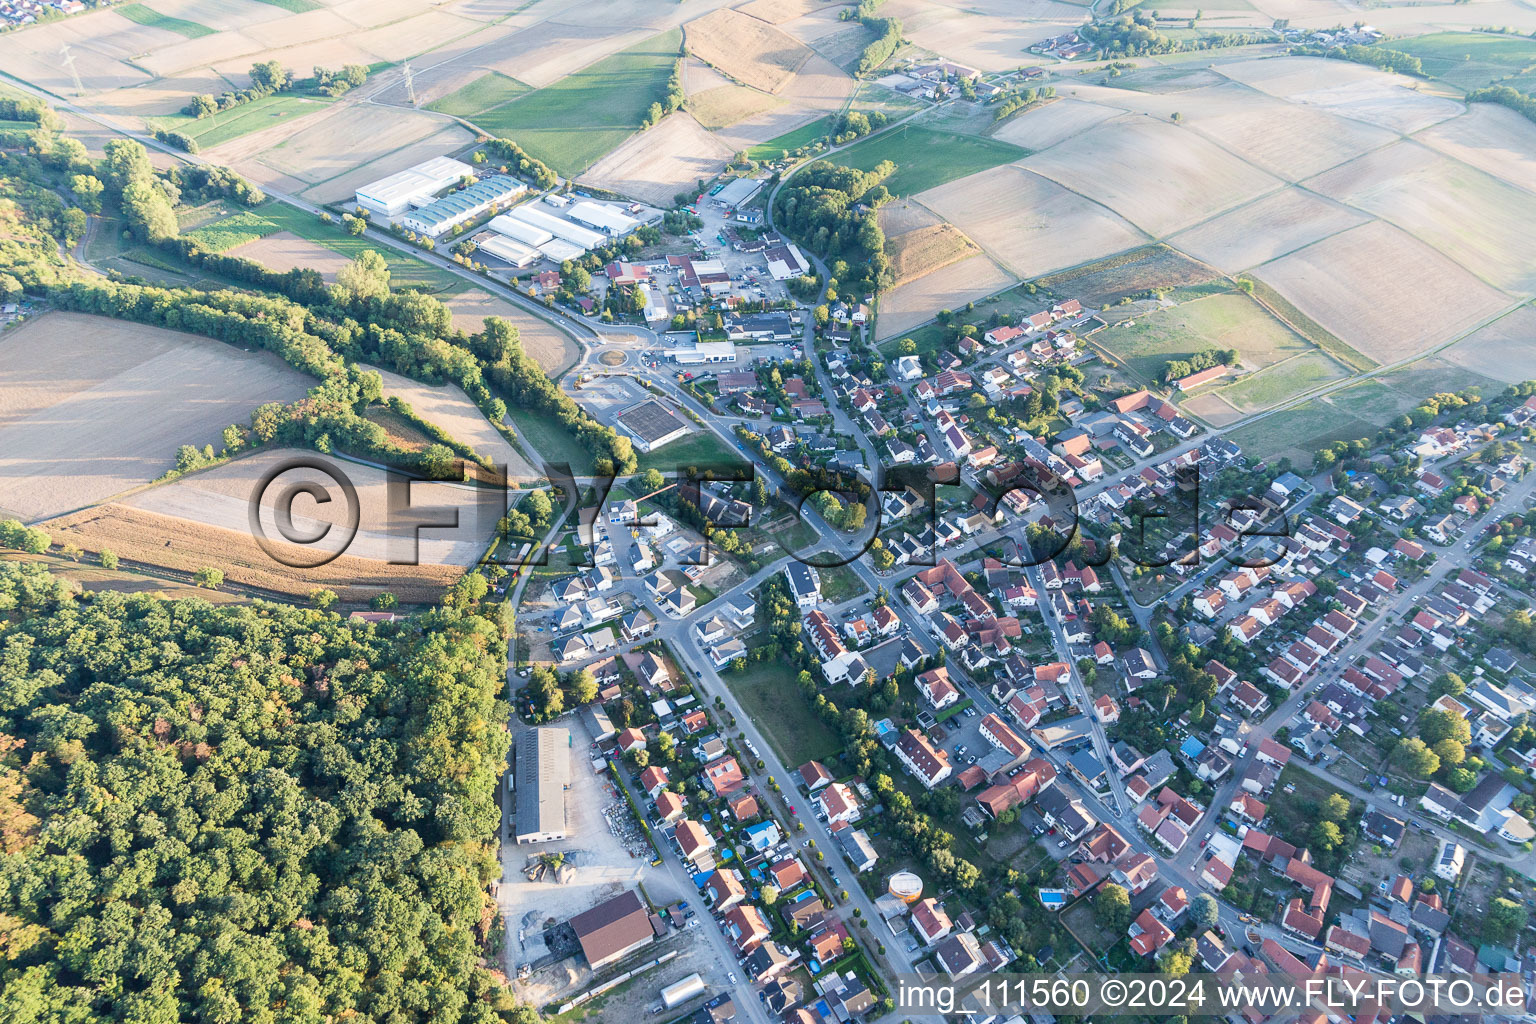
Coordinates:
791	141
484	93
1469	60
1286	379
296	6
141	15
926	158
553	443
571	124
768	693
405	272
1232	320
242	120
223	235
697	449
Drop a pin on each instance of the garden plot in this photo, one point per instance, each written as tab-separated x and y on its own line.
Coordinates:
655	165
1029	223
1483	223
1489	137
1157	176
913	303
1381	291
1055	122
91	407
1503	350
1266	228
750	51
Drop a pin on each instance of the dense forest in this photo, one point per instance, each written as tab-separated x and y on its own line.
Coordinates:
833	210
244	813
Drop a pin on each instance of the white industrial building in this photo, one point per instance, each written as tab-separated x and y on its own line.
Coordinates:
519	230
655	306
412	187
791	262
703	352
461	207
559	227
540	777
508	250
603	218
737	191
559	250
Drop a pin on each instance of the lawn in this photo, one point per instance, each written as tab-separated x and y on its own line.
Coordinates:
926	158
769	695
242	120
839	583
487	91
791	141
1469	60
702	447
573	122
141	15
1217	321
223	235
404	272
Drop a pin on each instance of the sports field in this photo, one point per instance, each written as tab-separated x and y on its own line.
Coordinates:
926	158
573	122
484	93
244	119
141	15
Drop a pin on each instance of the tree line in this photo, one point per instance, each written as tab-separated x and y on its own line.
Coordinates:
1177	369
833	210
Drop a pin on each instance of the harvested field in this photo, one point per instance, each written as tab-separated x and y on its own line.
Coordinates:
1153	266
1385	103
1159	177
1211	408
750	51
990	36
220	15
924	250
32	55
549	346
285	251
543	54
1286	77
724	106
1028	223
161	97
91	407
820	85
1491	138
1289	140
1483	223
761	134
1266	228
776	12
903	215
1503	350
404	39
1382	292
913	303
1231	320
700	77
1052	123
448	408
655	165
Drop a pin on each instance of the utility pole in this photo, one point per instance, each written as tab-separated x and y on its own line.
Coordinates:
410	84
69	62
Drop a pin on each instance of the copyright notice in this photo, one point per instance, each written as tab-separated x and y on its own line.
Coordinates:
1182	995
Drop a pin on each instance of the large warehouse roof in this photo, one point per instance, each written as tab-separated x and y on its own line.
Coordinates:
521	230
504	248
559	227
416	182
542	774
737	191
612	928
604	218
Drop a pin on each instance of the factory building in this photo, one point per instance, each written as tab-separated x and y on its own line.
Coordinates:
737	191
507	250
561	228
606	219
412	187
519	230
461	207
540	778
